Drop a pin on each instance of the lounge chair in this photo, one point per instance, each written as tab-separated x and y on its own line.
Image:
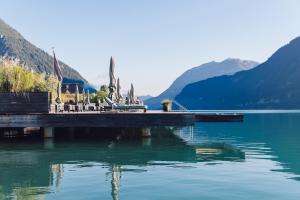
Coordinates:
113	105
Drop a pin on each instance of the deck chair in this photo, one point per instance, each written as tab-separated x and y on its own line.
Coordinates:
113	105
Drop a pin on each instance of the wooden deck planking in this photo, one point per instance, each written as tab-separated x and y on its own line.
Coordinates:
97	120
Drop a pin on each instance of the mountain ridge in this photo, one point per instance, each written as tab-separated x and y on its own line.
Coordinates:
202	72
14	46
271	85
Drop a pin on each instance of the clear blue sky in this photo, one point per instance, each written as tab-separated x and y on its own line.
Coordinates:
154	41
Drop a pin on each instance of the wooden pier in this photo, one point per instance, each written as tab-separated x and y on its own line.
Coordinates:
219	117
135	122
110	119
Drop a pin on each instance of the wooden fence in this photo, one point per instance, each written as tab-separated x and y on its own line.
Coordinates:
22	103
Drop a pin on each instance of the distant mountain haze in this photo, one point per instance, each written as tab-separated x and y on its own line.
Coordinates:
202	72
14	46
273	84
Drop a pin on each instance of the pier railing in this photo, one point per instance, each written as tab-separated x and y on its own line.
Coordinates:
180	106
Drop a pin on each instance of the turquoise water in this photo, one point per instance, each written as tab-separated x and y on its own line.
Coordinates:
257	159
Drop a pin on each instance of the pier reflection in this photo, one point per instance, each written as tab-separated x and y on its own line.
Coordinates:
36	169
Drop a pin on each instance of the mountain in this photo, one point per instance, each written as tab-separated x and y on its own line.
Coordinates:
14	46
202	72
81	84
273	84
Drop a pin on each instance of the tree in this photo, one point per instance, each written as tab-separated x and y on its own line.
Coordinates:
101	94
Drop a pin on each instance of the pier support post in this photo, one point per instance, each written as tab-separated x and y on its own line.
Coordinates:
146	132
48	132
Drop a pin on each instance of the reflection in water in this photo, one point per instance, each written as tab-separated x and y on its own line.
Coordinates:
192	162
115	177
219	151
273	136
33	168
57	171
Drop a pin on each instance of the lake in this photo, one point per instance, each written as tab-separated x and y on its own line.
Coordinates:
256	159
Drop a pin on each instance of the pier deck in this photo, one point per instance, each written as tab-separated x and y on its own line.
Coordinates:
110	119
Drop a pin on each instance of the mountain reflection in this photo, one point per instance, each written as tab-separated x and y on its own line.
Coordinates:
28	170
273	136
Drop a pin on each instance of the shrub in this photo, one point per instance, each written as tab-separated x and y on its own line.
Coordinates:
15	78
167	105
101	94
